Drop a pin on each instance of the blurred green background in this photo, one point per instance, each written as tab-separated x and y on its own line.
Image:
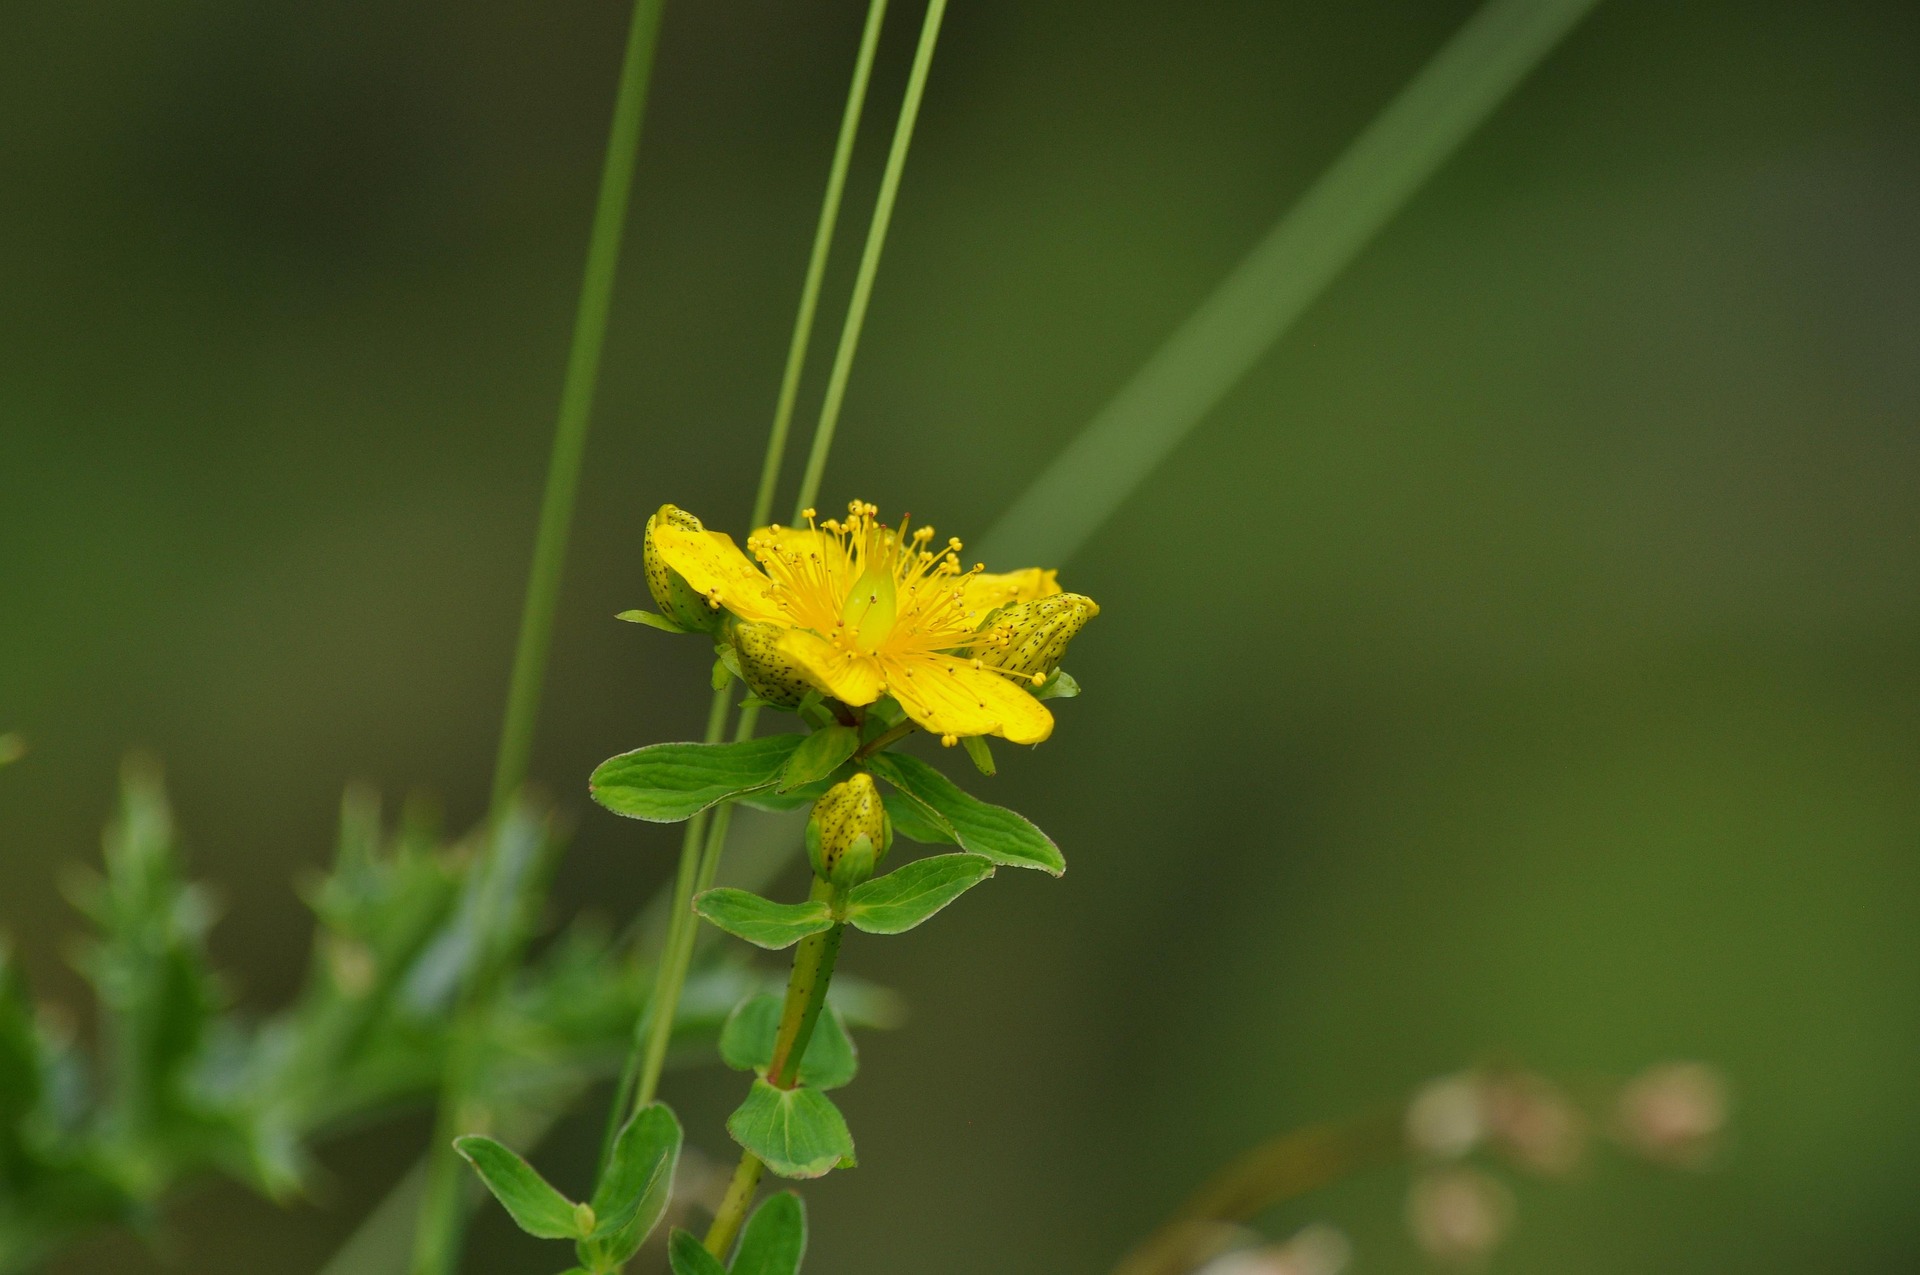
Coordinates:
1522	660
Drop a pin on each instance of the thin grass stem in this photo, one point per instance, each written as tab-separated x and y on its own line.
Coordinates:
869	261
442	1217
705	839
817	267
1289	268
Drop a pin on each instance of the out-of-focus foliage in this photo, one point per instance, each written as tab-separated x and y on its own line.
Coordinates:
184	1085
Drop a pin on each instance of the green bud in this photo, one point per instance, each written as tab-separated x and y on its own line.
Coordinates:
1030	638
848	833
763	666
671	592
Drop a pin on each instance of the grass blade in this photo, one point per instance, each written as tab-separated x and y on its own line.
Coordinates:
1274	284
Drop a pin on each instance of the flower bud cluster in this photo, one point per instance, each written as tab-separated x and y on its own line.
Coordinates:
849	832
677	599
771	674
1030	638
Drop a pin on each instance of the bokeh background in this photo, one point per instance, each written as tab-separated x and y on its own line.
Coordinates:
1521	662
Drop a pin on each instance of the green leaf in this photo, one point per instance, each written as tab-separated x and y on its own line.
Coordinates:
666	783
746	1043
805	795
775	1239
535	1206
904	898
819	756
636	1185
648	617
1060	686
915	822
688	1256
994	831
762	922
798	1133
978	753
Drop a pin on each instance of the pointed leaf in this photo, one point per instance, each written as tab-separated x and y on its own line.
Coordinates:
648	617
637	1184
994	831
979	753
798	1133
775	1239
688	1256
904	898
666	783
1060	686
746	1043
530	1199
819	756
914	821
762	922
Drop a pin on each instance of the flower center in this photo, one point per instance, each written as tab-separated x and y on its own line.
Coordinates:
872	607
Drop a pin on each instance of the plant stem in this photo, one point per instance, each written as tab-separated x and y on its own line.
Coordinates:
576	403
812	971
813	963
885	740
1277	1170
869	261
817	266
653	1029
437	1236
733	1208
700	849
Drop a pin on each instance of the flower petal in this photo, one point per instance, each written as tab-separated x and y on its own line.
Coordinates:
950	696
715	567
846	675
993	589
807	541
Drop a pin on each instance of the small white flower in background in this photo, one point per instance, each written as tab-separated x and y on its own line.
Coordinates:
1459	1214
1447	1117
1533	1123
1673	1113
1317	1250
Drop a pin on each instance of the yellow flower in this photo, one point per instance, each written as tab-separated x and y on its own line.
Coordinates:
867	610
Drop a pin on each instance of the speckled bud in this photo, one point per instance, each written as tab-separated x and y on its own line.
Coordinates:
764	667
1030	638
848	833
671	593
